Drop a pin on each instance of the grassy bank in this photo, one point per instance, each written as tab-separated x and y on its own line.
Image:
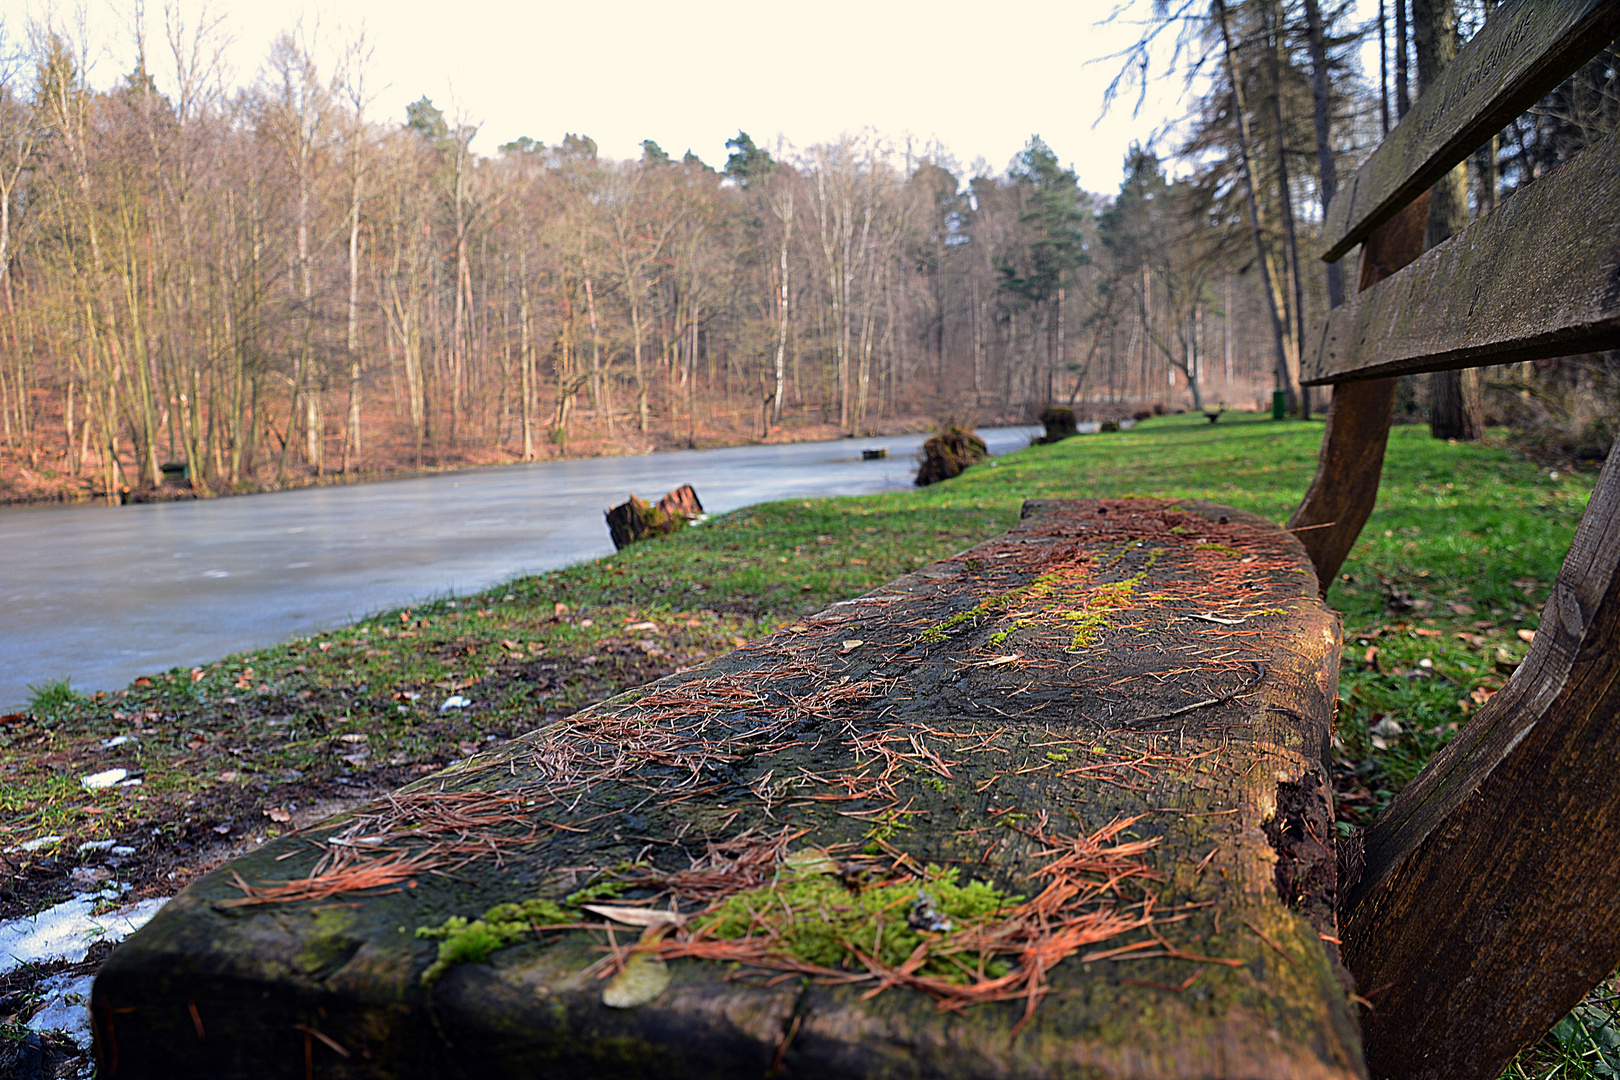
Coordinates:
1439	596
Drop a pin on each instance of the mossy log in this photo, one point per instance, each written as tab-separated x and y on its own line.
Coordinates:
1055	806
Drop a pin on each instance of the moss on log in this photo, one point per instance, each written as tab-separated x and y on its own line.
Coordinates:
1055	806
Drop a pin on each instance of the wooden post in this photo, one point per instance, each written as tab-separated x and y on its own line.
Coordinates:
1342	495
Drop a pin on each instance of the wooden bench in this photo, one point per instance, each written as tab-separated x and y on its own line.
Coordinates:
1486	902
1055	806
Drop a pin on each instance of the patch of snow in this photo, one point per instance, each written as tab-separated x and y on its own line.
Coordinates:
123	850
455	701
36	843
66	931
96	845
67	1007
96	781
117	740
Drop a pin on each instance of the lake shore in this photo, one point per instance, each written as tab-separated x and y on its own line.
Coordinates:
47	483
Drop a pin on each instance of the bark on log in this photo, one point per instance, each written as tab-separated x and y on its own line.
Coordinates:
633	520
946	453
1109	726
683	501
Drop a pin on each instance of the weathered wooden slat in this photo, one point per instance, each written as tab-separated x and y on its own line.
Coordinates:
1524	51
1119	711
1539	277
1490	899
1343	492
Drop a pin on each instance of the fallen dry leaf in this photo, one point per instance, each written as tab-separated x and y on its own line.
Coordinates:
636	916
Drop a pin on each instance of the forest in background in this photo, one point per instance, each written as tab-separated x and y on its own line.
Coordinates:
258	287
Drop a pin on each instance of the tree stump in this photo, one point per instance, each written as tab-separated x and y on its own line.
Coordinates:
1056	806
947	452
1058	422
634	520
683	501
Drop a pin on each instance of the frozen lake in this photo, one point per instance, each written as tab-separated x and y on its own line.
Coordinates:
102	595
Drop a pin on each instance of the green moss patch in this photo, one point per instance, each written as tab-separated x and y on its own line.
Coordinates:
820	920
464	941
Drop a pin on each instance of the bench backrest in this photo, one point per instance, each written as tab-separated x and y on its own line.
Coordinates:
1531	280
1488	901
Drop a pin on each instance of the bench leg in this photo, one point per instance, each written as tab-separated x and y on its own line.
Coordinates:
1341	497
1489	902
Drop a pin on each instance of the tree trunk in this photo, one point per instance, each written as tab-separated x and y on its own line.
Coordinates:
1403	99
782	310
526	354
1284	380
1327	168
1454	410
351	441
1285	196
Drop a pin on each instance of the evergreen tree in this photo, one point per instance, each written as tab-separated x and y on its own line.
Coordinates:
422	117
747	162
1052	219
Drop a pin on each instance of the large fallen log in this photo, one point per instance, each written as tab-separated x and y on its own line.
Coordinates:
1055	806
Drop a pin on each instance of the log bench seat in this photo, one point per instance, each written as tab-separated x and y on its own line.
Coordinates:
1055	806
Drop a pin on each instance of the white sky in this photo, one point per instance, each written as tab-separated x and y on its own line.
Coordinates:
978	77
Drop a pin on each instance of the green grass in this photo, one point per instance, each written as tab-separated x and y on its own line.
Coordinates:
1469	536
52	697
